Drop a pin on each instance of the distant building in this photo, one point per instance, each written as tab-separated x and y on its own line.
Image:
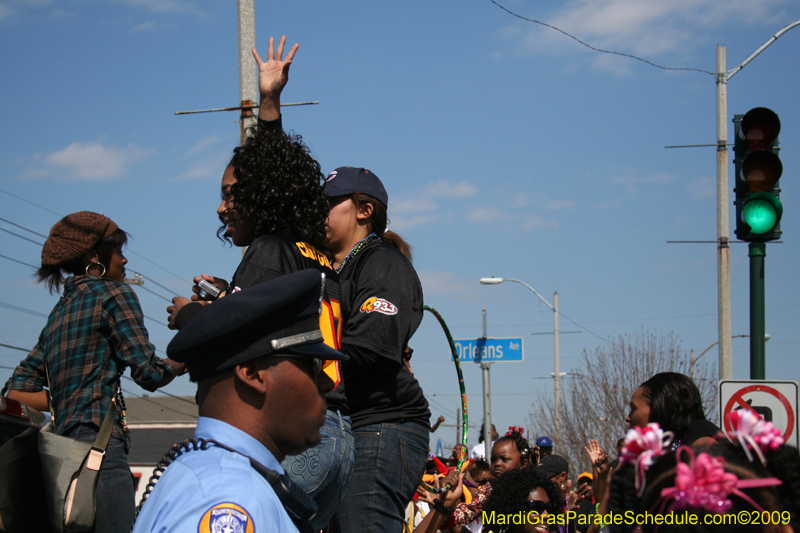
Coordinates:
155	424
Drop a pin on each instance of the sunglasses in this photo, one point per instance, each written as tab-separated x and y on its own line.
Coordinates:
539	507
483	481
317	363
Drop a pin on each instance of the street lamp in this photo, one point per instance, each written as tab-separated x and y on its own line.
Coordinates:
556	364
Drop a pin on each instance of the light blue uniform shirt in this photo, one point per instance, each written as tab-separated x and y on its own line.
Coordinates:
216	490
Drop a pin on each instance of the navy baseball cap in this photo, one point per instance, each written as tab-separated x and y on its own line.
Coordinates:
544	442
350	180
280	316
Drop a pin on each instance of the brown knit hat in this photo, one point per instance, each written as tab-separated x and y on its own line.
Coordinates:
74	236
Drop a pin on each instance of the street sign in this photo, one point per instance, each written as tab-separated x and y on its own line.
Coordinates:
774	401
489	350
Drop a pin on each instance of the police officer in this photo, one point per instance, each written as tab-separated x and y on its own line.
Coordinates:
257	357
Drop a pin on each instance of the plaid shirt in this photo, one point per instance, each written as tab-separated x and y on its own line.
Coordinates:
94	332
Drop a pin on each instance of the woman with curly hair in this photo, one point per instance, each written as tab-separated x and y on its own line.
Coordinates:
273	202
523	501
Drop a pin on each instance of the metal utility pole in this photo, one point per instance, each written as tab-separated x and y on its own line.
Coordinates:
757	253
487	401
248	71
723	230
557	368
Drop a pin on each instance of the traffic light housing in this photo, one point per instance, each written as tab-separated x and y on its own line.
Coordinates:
758	169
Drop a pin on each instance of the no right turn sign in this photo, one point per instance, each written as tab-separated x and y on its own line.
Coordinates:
773	401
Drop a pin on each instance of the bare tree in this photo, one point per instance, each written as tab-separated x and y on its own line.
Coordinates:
596	395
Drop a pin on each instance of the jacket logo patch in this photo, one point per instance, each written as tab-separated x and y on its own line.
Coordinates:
226	517
378	305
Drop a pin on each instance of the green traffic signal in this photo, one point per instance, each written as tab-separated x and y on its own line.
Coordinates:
761	212
758	169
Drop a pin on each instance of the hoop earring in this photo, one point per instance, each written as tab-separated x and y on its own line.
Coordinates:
98	264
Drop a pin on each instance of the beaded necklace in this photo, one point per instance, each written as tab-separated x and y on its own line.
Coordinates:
357	247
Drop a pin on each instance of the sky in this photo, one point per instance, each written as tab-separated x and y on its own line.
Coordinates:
507	148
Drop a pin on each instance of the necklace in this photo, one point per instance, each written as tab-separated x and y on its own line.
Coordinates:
357	247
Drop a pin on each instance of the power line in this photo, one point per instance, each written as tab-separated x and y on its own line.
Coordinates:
165	392
15	348
598	49
29	202
155	320
159	266
21	237
62	216
18	261
157	403
153	292
583	328
23	227
23	310
155	282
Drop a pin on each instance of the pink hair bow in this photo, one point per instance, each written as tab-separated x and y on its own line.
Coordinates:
703	483
751	431
642	446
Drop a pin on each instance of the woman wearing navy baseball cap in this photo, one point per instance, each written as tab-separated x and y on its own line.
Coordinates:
390	416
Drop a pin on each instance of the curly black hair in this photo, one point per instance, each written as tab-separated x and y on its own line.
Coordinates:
784	499
511	493
279	186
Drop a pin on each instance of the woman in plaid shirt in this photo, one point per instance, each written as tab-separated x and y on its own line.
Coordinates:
93	334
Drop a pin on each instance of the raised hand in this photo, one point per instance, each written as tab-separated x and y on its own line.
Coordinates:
596	454
273	74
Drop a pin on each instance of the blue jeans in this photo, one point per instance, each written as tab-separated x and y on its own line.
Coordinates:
323	472
390	460
114	495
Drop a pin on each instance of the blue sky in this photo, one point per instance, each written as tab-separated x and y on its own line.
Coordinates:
507	150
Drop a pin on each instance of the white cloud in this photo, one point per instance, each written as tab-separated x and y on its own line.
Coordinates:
633	182
414	205
704	187
448	189
402	223
203	145
535	222
486	214
165	6
449	285
558	205
90	161
145	27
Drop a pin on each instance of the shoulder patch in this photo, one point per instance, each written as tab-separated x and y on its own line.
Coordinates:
379	305
226	518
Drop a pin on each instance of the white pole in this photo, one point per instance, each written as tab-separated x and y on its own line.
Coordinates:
723	229
557	365
248	70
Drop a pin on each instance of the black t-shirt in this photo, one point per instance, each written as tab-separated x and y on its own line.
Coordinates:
383	309
271	256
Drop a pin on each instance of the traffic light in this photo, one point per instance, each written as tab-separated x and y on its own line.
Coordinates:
758	169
